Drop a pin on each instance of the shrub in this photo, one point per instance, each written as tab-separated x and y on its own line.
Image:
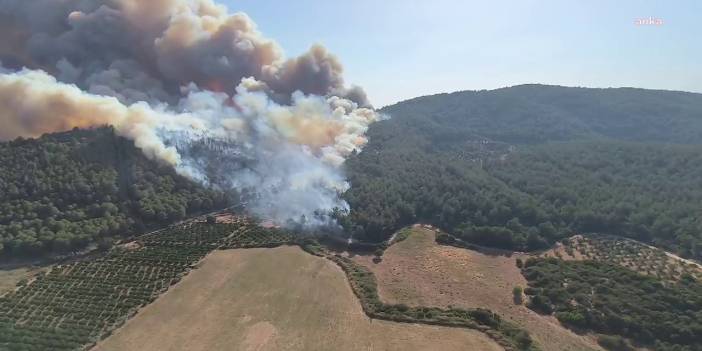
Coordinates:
485	317
517	295
105	244
444	238
540	303
614	343
523	340
573	318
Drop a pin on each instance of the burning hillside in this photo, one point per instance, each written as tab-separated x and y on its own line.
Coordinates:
195	87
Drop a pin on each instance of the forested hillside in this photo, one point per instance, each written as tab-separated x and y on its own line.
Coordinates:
522	167
63	191
612	300
540	113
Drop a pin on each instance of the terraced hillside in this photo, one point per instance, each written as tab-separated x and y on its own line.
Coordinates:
73	306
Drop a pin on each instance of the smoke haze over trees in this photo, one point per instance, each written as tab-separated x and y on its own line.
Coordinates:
174	75
63	191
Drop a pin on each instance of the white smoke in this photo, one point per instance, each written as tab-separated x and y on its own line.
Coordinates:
287	158
194	86
33	103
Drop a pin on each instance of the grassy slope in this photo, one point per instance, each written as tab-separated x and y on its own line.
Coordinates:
417	271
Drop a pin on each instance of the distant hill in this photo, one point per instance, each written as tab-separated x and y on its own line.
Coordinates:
64	191
524	166
541	113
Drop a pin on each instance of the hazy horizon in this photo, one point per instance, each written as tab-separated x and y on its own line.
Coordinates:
399	50
541	84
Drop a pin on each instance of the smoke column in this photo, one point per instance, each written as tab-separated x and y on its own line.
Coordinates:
195	87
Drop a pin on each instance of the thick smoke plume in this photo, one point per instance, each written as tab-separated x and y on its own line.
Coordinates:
193	86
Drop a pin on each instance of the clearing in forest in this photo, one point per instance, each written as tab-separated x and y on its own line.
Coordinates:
627	253
419	272
274	299
10	277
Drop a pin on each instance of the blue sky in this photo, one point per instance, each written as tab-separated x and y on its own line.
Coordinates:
401	49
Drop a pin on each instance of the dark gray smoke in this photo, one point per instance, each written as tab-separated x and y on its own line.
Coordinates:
129	49
170	74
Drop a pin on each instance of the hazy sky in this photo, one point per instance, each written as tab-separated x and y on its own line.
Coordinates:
399	49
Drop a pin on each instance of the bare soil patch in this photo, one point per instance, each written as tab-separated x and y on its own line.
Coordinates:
259	335
419	272
10	277
274	299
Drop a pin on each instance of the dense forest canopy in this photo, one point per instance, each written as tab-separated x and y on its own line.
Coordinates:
541	113
522	167
64	191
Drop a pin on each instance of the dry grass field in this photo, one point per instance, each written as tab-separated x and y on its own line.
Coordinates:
10	277
417	271
274	299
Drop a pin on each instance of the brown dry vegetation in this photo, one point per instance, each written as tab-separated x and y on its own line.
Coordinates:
274	299
417	271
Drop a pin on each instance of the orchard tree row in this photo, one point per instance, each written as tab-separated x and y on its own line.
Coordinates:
76	304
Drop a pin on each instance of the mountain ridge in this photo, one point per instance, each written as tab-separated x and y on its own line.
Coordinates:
537	113
521	167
